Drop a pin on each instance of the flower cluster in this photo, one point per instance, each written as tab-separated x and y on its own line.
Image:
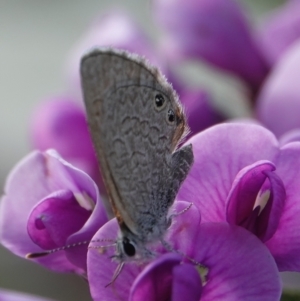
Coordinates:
61	206
242	228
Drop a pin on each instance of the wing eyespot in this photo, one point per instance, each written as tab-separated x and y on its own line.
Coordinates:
171	117
159	102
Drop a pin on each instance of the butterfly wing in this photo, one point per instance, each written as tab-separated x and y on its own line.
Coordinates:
136	123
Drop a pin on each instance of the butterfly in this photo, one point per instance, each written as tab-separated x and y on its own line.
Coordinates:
136	122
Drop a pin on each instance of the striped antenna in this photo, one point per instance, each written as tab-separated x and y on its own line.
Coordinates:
66	247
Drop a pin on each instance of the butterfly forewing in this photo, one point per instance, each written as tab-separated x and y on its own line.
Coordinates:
130	106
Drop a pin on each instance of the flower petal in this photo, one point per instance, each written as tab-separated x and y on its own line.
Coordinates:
186	283
60	123
155	281
285	244
167	277
23	189
55	218
187	218
240	267
220	152
290	136
244	191
268	219
33	179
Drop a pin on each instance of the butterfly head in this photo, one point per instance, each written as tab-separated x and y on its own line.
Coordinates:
131	247
130	250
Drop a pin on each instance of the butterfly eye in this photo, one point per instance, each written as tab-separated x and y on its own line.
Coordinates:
171	116
129	248
159	101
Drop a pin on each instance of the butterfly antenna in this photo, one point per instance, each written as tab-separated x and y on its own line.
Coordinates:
66	247
101	247
116	273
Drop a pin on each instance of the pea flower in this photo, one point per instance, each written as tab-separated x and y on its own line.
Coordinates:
59	205
243	176
216	31
60	123
278	103
236	265
49	204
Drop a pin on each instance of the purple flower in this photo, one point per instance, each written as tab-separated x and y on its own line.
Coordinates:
6	295
280	30
237	266
214	30
114	29
48	204
60	123
242	176
278	104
